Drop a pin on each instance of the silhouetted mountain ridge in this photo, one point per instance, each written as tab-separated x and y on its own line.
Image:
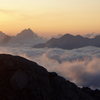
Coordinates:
21	79
28	38
69	41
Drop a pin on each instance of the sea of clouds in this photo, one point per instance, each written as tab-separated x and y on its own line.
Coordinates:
81	66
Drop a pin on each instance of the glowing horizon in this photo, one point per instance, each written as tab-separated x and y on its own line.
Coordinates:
50	16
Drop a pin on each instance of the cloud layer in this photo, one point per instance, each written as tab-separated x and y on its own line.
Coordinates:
81	66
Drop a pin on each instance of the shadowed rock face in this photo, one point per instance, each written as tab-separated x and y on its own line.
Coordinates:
21	79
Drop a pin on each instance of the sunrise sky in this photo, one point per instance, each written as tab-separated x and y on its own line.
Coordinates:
50	16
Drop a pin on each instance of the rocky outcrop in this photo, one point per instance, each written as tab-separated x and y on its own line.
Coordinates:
21	79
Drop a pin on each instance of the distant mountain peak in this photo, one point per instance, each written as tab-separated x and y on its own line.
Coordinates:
26	38
28	33
2	33
29	30
67	36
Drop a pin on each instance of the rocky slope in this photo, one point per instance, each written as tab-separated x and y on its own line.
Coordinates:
21	79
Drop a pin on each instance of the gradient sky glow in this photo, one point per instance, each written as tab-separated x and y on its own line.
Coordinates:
50	16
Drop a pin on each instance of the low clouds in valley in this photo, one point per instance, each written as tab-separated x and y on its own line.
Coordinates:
81	66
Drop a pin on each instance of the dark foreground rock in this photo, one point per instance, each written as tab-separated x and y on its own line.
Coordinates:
21	79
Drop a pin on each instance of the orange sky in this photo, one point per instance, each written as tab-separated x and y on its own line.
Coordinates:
50	16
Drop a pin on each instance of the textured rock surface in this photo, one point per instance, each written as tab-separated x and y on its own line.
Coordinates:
21	79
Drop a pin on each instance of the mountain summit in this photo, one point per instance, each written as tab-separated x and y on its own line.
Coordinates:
26	33
26	38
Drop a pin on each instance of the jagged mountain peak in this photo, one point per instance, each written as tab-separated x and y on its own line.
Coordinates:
67	35
26	38
26	32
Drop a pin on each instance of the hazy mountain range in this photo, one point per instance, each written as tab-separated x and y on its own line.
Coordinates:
25	38
69	41
28	38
